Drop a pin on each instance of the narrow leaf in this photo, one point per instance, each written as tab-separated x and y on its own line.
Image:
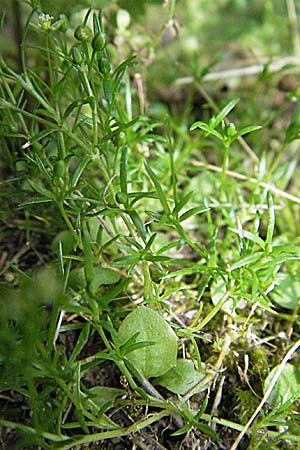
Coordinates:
247	130
225	111
192	212
159	190
252	237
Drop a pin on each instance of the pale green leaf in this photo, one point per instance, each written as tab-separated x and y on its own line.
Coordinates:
182	378
157	359
287	291
286	388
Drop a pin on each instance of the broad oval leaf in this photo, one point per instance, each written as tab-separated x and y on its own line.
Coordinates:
102	276
286	388
182	378
287	292
157	359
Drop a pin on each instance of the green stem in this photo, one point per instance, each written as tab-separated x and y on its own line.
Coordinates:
49	61
122	367
29	430
213	311
225	164
69	224
277	159
184	236
173	173
170	14
90	93
97	437
147	280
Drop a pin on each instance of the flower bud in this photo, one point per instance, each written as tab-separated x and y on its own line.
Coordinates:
99	42
60	169
104	66
121	139
83	33
77	55
121	197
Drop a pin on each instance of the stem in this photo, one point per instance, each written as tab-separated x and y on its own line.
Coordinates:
134	428
29	430
122	367
213	311
89	90
28	87
49	61
210	376
225	164
240	139
294	27
147	280
173	173
69	224
192	244
170	14
277	159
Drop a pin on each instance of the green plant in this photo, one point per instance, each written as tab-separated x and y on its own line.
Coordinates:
167	264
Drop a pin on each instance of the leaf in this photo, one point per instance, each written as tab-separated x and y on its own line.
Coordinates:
102	276
209	130
138	224
78	171
67	241
286	388
287	291
103	394
192	212
182	378
157	359
181	204
160	192
40	189
225	111
248	235
247	130
218	290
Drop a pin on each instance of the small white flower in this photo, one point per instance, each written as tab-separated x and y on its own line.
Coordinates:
45	21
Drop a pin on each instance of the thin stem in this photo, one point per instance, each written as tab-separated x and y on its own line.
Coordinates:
94	111
69	224
147	280
29	430
277	159
172	166
28	87
170	14
225	163
246	71
97	437
291	7
213	311
210	376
